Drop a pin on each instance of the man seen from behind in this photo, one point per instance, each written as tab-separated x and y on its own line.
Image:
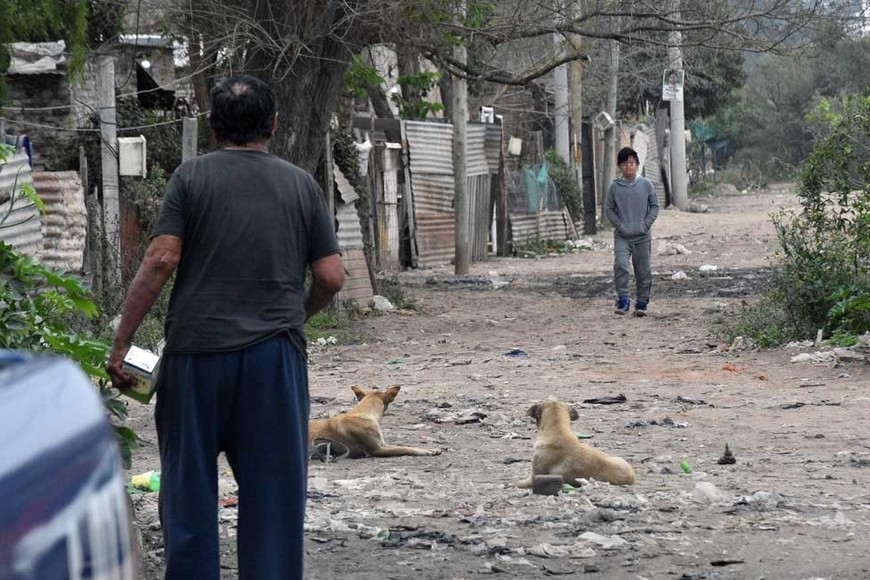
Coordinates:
242	226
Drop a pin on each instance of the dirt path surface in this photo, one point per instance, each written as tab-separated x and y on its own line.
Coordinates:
481	349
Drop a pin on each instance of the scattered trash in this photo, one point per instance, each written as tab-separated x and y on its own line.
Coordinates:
382	304
583	435
606	542
761	501
795	405
229	502
148	481
726	562
727	457
706	492
708	269
395	361
328	451
696	207
516	352
690	401
732	368
679	275
671	249
609	400
826	357
568	488
509	460
666	422
684	465
496	280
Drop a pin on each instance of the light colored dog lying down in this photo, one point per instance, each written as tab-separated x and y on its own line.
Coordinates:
559	452
359	430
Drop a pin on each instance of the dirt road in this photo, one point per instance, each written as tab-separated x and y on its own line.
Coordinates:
480	350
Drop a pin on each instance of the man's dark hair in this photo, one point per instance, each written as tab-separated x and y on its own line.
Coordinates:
625	154
242	108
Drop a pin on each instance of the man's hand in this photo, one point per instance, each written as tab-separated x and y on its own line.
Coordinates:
161	258
121	379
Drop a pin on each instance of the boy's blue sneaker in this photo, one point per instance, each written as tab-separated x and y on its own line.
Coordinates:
622	305
640	308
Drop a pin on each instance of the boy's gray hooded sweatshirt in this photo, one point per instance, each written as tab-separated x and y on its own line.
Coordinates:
631	206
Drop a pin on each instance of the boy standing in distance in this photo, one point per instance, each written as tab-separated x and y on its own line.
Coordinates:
631	206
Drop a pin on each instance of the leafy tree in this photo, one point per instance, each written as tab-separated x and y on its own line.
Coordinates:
305	46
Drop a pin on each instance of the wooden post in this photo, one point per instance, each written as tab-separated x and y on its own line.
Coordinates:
462	254
188	138
408	197
501	206
83	177
328	178
109	158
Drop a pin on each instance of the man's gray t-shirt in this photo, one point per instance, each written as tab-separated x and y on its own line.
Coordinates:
251	223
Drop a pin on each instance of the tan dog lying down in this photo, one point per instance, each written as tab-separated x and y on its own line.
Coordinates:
359	430
558	452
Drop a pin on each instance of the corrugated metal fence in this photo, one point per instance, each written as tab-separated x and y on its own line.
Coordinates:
22	228
430	148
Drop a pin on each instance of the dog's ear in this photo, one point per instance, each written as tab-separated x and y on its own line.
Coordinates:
390	393
573	414
360	394
535	411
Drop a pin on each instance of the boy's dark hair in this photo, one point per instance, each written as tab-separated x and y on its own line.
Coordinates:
625	154
242	108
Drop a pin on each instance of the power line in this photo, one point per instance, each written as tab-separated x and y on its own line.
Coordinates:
87	130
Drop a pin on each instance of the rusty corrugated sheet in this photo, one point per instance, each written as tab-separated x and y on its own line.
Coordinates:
435	238
345	189
493	146
479	209
430	147
553	225
386	165
349	231
432	192
357	283
475	151
65	223
23	227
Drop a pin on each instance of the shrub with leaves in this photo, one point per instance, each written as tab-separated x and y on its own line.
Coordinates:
38	310
566	184
823	278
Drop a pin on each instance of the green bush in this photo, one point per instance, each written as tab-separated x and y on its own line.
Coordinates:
822	281
41	308
566	184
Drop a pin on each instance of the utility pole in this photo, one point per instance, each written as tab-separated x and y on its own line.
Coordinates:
610	135
560	95
188	138
575	86
462	255
109	159
679	185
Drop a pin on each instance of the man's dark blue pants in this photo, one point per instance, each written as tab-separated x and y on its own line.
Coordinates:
252	404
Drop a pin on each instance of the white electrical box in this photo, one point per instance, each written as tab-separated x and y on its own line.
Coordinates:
132	155
515	146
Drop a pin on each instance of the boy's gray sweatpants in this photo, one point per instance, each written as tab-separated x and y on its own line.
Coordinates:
634	253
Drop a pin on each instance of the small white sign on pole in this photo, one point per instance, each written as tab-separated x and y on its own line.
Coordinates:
672	84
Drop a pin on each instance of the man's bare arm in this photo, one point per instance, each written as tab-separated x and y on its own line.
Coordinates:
328	278
160	261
